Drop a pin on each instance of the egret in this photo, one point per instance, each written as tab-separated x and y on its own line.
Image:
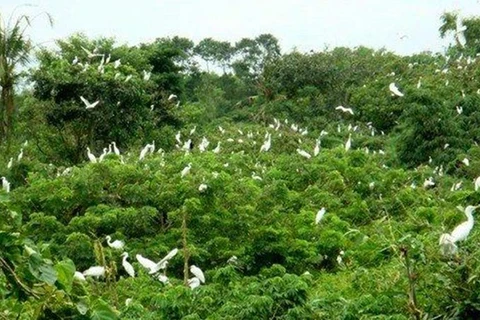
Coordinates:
91	55
217	148
100	159
343	109
162	264
162	278
393	88
222	131
144	152
5	184
117	63
10	163
303	153
466	162
477	183
172	96
202	187
316	150
127	266
232	260
146	75
108	59
115	149
197	272
460	233
96	271
348	144
79	276
90	155
319	215
89	105
117	244
256	177
177	137
428	183
193	130
267	144
146	263
128	78
75	61
20	155
193	282
186	170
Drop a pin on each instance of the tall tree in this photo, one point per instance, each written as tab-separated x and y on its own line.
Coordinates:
15	47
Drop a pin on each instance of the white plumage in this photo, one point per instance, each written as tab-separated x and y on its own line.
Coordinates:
186	170
197	272
146	263
303	153
193	282
162	264
117	244
89	105
448	241
343	109
96	271
91	156
319	215
348	144
393	89
127	266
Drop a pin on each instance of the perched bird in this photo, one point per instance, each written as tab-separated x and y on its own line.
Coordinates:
197	272
117	244
193	282
348	144
316	149
91	55
115	149
146	75
477	183
172	96
79	276
20	155
91	156
144	152
146	263
117	63
459	110
100	159
5	184
428	183
96	271
267	144
461	232
466	161
319	215
10	163
346	110
202	187
459	31
75	61
127	266
393	88
303	153
89	105
217	148
186	170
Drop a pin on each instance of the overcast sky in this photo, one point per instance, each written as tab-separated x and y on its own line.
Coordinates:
301	24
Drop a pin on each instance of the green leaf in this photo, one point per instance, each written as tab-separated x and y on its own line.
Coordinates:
102	311
65	271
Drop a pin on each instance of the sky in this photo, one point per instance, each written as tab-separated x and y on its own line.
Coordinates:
303	25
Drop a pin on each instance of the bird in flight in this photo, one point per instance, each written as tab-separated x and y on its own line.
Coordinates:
89	105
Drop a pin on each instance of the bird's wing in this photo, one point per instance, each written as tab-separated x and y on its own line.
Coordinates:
85	101
198	273
146	263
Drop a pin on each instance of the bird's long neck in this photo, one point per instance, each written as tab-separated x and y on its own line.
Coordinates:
469	216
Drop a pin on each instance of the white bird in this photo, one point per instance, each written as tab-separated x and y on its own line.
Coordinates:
461	232
128	78
146	263
115	149
186	170
75	61
428	183
346	110
193	130
267	144
172	96
162	264
232	260
477	183
197	272
162	278
202	187
79	276
5	184
144	152
10	163
146	75
222	131
91	156
117	63
20	155
256	177
96	271
316	150
303	153
177	137
466	162
100	159
459	110
393	88
89	105
348	144
217	148
117	244
91	54
319	215
127	266
193	282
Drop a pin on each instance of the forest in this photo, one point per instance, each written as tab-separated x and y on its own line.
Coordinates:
218	180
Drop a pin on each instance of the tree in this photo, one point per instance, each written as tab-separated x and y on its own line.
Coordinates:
15	47
472	32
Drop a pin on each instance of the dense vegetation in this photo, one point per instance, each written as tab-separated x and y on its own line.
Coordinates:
243	212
